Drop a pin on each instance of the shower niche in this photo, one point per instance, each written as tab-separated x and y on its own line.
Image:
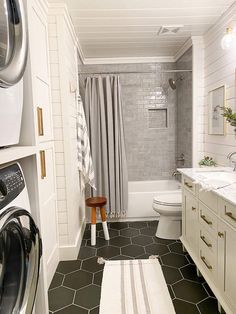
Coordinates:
158	118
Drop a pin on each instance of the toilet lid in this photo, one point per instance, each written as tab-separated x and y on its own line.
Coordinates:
170	199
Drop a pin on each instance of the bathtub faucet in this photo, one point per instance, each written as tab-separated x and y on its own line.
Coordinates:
175	173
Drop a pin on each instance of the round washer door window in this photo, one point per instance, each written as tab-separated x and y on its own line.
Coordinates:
13	42
20	251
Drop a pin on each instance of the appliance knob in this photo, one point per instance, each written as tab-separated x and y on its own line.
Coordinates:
3	190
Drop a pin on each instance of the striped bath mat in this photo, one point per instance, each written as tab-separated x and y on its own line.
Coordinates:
134	287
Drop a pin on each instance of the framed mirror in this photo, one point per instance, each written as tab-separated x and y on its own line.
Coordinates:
216	100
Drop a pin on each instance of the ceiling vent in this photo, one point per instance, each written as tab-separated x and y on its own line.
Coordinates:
167	30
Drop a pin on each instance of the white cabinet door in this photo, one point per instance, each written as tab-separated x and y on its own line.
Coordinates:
48	210
227	262
191	221
39	64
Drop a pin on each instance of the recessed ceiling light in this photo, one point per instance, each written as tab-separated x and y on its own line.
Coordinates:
169	30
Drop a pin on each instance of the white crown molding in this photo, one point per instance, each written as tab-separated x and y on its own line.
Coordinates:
128	60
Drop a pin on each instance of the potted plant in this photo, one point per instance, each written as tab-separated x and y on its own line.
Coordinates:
230	116
207	162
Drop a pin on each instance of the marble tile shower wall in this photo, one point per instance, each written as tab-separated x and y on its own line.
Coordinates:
150	151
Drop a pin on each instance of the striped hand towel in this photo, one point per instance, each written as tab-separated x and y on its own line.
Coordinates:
85	164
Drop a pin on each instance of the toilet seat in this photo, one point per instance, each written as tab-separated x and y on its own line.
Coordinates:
173	199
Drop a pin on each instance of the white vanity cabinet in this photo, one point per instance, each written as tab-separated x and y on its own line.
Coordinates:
209	236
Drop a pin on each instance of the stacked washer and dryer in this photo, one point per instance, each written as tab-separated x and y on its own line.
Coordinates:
20	242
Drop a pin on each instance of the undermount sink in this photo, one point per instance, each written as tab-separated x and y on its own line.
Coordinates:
217	179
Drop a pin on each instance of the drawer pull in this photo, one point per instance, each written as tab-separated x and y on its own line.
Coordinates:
194	208
230	215
206	220
43	164
188	185
204	240
40	121
205	262
220	234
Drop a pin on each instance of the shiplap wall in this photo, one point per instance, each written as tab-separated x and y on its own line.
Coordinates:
219	70
63	64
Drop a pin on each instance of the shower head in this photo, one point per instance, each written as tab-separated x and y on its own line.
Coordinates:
172	82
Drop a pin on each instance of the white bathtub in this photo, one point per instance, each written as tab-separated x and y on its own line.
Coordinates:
141	194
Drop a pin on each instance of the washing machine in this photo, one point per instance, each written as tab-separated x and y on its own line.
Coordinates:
13	59
20	244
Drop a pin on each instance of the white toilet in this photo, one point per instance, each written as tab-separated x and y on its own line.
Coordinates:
169	206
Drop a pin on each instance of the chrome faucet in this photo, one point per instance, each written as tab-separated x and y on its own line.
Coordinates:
175	173
233	162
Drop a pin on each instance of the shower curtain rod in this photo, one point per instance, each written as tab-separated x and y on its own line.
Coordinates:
133	72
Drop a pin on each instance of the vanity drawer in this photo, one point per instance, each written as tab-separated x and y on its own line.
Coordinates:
208	198
208	220
208	261
208	241
189	185
227	211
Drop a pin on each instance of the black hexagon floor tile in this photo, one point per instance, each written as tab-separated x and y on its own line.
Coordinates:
92	265
190	272
189	291
86	252
129	240
132	250
118	225
88	297
112	233
163	241
148	231
120	241
176	248
56	281
100	242
171	274
142	240
78	279
138	224
97	279
94	311
60	297
108	251
182	307
174	260
66	267
72	309
129	232
157	249
208	306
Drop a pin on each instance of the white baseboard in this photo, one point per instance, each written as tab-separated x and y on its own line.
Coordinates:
52	263
70	252
127	219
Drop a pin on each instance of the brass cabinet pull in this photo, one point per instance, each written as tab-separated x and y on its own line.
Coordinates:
204	240
230	215
43	164
205	262
188	185
194	208
220	234
40	121
206	220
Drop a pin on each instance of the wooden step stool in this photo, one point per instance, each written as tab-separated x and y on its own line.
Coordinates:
95	202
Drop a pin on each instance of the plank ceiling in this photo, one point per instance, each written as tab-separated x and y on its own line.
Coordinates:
128	28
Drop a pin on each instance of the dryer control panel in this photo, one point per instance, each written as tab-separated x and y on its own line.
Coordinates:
11	184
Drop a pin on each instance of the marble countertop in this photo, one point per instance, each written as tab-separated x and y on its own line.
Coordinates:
226	192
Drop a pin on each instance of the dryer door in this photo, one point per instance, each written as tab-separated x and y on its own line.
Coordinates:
13	42
20	252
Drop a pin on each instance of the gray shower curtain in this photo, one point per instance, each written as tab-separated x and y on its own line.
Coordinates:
103	110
